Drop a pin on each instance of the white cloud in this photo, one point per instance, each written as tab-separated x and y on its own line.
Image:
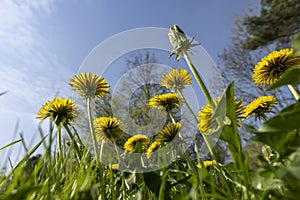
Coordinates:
29	69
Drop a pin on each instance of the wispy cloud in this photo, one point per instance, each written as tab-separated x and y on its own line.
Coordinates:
29	70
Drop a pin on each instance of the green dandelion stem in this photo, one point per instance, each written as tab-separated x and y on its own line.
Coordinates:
171	116
212	153
294	92
59	140
162	188
115	145
188	106
92	131
101	150
199	80
78	137
95	144
74	143
208	97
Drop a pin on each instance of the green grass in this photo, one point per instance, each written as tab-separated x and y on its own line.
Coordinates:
76	174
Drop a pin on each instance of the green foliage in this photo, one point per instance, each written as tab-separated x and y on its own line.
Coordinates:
284	120
277	21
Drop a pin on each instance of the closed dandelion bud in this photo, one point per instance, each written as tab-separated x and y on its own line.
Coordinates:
181	45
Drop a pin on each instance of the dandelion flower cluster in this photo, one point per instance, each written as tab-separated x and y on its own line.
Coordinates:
168	132
167	101
130	144
259	107
59	110
204	116
107	129
176	79
271	67
89	85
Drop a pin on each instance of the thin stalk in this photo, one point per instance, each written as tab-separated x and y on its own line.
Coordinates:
199	80
92	131
74	142
188	106
78	137
206	94
101	150
171	116
194	170
162	188
164	171
59	140
294	92
118	155
95	144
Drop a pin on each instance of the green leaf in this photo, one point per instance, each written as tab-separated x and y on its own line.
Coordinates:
152	181
286	120
291	176
292	77
10	144
29	153
230	134
225	113
284	142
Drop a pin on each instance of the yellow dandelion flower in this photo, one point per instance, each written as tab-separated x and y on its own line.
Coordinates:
176	79
153	147
114	166
107	128
271	67
58	110
168	132
204	116
260	106
130	144
89	85
207	164
167	101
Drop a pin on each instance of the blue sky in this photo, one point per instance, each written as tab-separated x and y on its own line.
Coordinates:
43	43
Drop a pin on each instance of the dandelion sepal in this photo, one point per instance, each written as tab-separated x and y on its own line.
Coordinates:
179	41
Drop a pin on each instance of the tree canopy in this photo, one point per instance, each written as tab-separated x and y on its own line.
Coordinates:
276	23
